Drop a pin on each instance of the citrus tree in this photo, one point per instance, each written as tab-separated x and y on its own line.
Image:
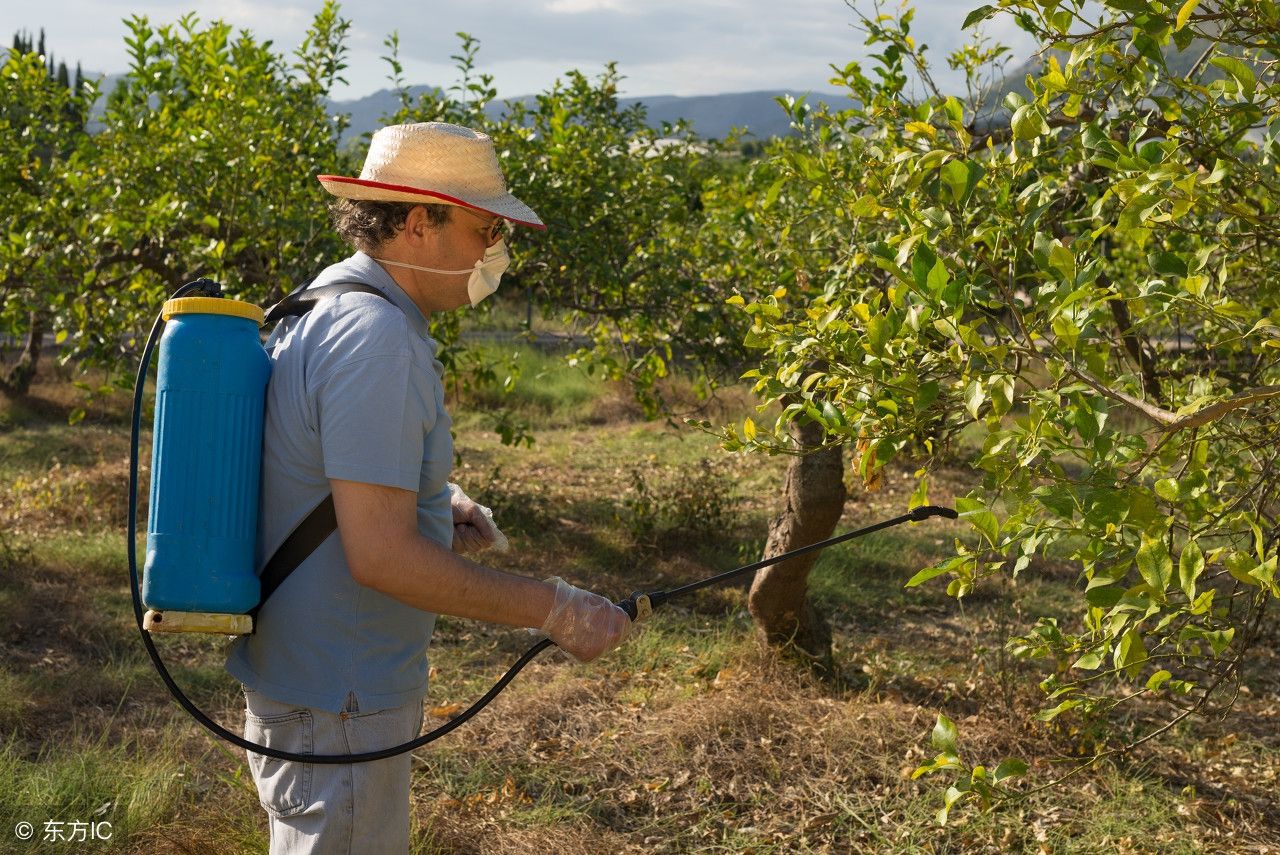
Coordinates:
1083	277
203	166
625	260
41	121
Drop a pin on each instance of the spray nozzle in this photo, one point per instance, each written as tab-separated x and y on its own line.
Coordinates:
205	288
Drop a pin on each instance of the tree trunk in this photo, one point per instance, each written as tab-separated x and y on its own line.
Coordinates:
15	382
815	496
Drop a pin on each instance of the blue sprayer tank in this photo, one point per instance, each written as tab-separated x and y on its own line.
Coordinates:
206	458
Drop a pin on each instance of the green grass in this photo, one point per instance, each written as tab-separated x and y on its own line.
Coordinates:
539	387
136	785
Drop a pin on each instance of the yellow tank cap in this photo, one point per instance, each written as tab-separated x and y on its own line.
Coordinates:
213	306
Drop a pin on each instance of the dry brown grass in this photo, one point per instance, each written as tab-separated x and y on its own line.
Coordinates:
691	739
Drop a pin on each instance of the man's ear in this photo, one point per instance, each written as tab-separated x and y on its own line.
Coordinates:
416	226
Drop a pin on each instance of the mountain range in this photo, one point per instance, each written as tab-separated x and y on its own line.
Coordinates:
711	116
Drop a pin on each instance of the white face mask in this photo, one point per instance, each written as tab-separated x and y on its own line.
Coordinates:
484	276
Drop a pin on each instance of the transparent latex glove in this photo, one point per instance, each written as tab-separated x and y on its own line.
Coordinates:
473	525
583	624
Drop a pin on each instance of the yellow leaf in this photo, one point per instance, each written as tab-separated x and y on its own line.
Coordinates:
921	128
1184	14
749	429
723	677
872	475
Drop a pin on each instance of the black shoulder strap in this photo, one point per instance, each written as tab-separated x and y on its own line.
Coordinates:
305	298
316	527
301	542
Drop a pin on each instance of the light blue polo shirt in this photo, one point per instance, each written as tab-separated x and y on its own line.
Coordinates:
355	394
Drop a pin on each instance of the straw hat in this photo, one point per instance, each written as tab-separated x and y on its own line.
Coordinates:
433	162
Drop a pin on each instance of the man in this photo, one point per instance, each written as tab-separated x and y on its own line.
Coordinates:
355	408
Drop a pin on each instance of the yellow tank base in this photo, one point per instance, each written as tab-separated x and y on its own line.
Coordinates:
208	622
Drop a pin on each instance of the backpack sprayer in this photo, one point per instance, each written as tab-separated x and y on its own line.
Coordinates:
205	468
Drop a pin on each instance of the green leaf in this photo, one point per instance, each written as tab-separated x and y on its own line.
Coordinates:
1062	259
771	195
1130	654
1104	597
926	574
922	263
879	331
1138	210
1156	680
1002	390
1058	499
1028	123
1167	489
977	16
942	761
1241	72
865	205
1220	170
977	514
961	177
1167	264
1011	768
938	279
1135	6
945	737
1240	566
920	496
1220	639
1190	566
1154	565
1066	331
1054	712
1091	661
974	398
949	799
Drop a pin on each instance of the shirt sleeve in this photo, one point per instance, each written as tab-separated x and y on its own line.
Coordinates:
373	414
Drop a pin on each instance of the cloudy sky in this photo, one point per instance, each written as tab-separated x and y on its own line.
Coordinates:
663	47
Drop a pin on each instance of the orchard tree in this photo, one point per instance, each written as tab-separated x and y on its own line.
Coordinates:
204	166
41	120
1085	276
626	258
650	231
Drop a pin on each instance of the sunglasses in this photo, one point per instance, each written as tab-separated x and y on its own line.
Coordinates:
496	228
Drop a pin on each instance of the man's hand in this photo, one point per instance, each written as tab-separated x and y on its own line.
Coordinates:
473	529
583	624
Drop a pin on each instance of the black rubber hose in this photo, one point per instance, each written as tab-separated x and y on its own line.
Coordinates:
630	605
186	703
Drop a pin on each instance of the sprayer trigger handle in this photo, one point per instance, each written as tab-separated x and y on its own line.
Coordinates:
637	607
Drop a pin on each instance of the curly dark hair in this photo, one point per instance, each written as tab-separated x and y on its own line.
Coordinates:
368	225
